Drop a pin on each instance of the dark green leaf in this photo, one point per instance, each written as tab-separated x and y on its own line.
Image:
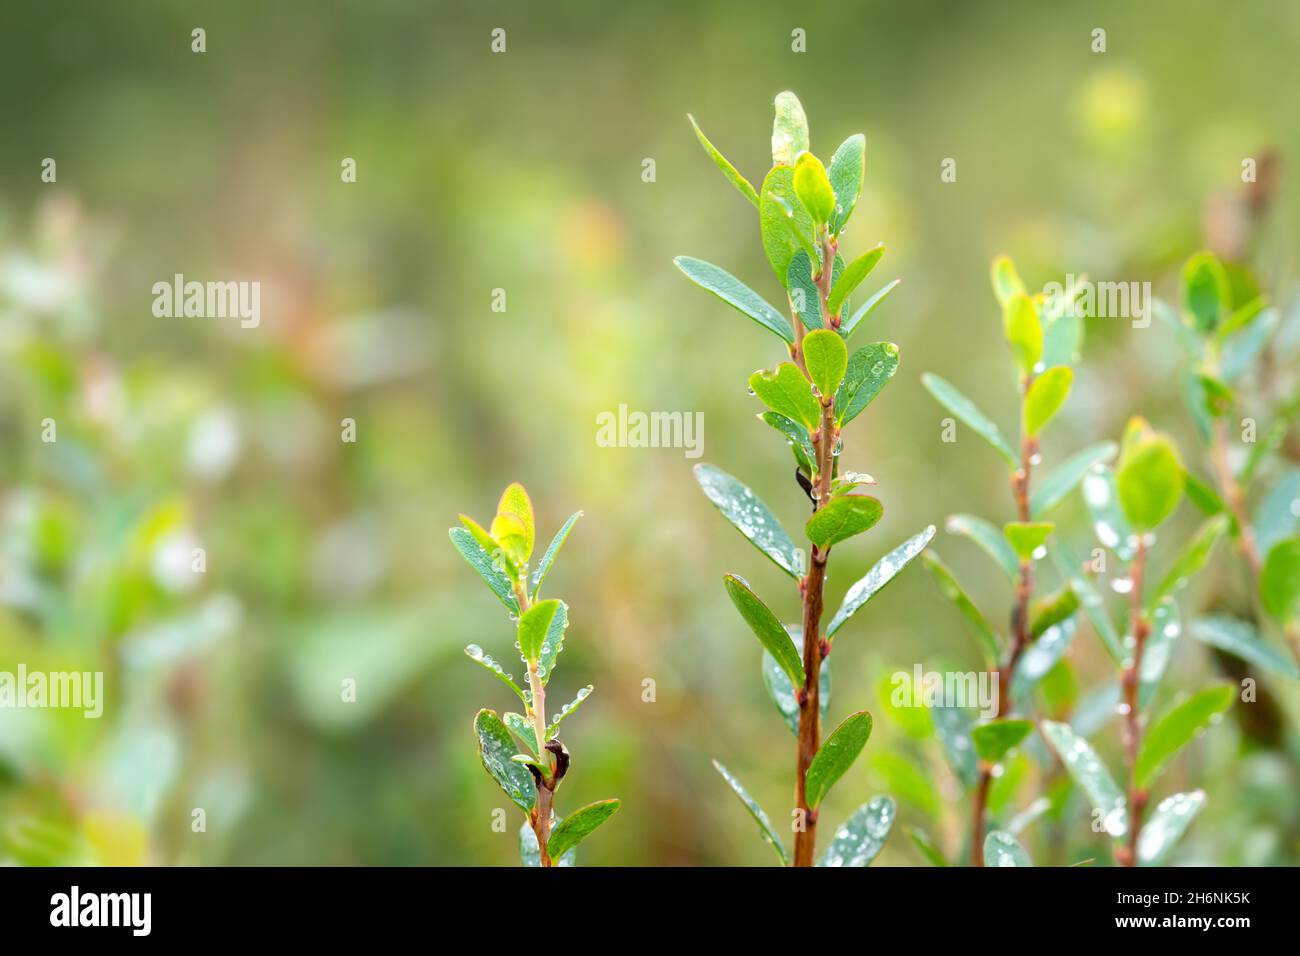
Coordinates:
766	628
869	369
782	691
522	728
736	294
805	297
836	755
496	748
751	518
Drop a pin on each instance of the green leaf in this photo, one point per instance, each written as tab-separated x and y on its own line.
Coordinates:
846	328
928	849
796	435
766	628
1002	849
480	534
566	710
813	187
488	569
1090	775
1166	628
535	627
869	369
1261	451
859	839
1205	292
1240	352
847	168
1241	640
805	297
881	573
1191	559
522	728
788	393
852	277
1006	281
782	692
1026	537
1149	478
736	294
552	549
552	644
750	517
1061	481
476	654
1177	728
950	588
1040	657
994	738
1091	601
1278	515
513	525
784	224
989	538
728	170
1101	496
789	129
841	518
837	754
952	725
1053	609
827	358
755	811
1279	581
497	748
1046	396
530	856
964	409
1023	331
1172	816
579	825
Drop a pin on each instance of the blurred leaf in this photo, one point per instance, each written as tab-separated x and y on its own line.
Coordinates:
1101	496
486	567
859	839
1241	640
805	296
1239	353
1261	451
566	710
927	847
989	538
1040	657
552	549
1023	330
847	327
881	573
1026	537
755	811
952	725
813	187
497	748
908	780
1045	397
751	517
950	588
1166	628
869	369
1172	816
847	168
1279	581
1089	774
1194	555
1058	691
1177	728
1061	481
964	409
476	654
827	358
737	180
535	627
1201	494
836	755
1190	342
1278	515
522	728
852	277
841	518
513	526
1006	281
766	628
529	855
1053	609
579	825
784	224
789	129
736	294
786	392
994	738
1002	849
1149	479
1205	291
782	692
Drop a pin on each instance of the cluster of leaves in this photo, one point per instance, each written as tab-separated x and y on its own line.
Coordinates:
803	209
530	765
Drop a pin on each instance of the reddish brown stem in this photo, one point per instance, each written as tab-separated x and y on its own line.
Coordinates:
1141	627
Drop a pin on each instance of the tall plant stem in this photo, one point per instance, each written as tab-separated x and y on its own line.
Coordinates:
540	818
1141	627
811	587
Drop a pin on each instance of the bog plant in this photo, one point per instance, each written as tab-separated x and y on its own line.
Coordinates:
803	209
521	751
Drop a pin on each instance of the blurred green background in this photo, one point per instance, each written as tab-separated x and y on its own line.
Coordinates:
523	171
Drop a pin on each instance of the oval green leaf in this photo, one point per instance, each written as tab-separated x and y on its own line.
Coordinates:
859	839
837	754
852	276
827	358
488	569
747	513
788	393
497	750
736	294
813	187
841	518
1177	728
881	573
766	628
535	627
869	369
993	739
579	825
1046	396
